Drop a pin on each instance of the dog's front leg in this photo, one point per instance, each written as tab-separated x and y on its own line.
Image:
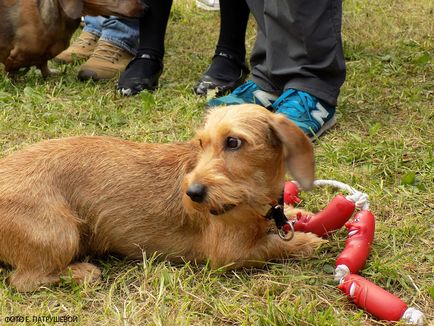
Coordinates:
273	247
270	247
45	71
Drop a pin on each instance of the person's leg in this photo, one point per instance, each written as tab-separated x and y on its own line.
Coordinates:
234	16
228	69
85	44
145	68
302	41
258	54
316	65
250	92
124	33
93	24
116	46
300	55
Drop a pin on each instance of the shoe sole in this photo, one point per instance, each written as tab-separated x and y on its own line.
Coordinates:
135	91
90	75
203	87
73	59
326	126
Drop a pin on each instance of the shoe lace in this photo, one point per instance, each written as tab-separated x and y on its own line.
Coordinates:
107	52
300	103
85	40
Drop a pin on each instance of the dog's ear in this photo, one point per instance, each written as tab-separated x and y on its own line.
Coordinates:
72	8
297	148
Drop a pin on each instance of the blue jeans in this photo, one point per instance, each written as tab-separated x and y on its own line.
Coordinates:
124	33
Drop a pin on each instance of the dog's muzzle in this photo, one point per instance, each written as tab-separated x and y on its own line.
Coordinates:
197	192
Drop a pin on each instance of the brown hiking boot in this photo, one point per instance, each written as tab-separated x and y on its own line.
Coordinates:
106	62
81	48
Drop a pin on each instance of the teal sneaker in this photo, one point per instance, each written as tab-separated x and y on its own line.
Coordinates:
248	92
306	111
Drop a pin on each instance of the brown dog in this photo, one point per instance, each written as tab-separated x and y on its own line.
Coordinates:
32	32
202	199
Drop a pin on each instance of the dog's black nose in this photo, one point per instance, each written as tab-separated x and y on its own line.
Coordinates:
197	192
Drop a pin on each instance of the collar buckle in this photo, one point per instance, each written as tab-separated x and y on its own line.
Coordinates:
285	228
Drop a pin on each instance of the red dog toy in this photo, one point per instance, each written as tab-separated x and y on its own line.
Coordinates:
378	301
358	244
337	212
365	294
290	193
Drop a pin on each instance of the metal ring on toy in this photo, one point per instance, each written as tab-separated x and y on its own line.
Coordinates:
287	232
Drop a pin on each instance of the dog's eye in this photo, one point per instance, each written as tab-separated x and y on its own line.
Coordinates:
233	143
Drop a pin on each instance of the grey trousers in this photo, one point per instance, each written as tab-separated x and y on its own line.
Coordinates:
298	45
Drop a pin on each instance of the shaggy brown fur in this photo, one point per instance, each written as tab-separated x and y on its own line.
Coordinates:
32	32
66	198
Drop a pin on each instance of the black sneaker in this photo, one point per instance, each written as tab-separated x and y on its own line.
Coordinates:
221	84
143	72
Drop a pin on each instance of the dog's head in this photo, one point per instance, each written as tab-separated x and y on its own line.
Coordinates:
245	152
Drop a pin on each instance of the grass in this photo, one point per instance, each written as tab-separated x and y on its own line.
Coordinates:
382	145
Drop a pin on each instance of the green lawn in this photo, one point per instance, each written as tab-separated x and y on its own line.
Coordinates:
383	145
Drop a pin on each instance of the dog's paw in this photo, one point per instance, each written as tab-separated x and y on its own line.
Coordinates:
84	273
291	212
306	244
